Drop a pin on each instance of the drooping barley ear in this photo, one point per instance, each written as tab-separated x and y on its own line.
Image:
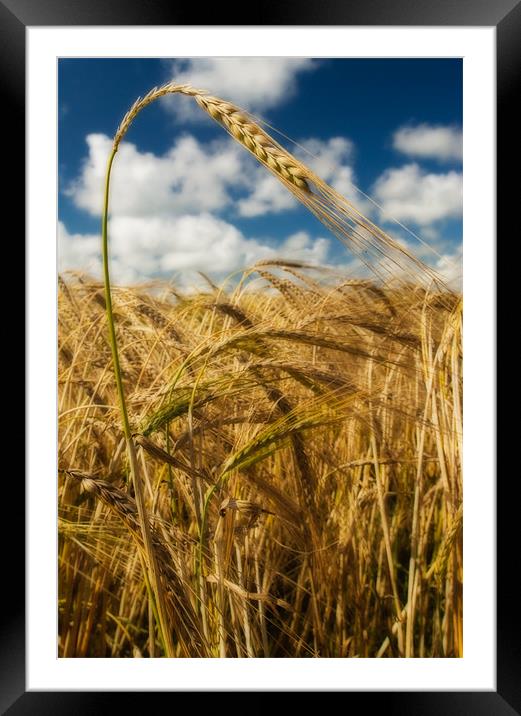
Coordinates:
236	122
383	255
249	134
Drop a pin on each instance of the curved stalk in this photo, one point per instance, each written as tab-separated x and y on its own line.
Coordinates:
375	249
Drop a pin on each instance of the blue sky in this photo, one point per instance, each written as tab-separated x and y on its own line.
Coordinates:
186	197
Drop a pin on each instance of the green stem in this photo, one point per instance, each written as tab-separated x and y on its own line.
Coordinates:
108	302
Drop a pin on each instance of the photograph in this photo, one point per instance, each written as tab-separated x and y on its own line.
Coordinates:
260	357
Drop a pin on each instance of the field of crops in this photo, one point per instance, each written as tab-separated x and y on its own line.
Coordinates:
298	444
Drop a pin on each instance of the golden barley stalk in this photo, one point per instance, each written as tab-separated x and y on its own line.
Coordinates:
376	249
236	122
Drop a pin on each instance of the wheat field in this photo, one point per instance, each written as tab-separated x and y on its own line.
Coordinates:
266	468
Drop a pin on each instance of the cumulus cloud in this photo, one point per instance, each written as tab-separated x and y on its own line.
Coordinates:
192	177
254	83
268	196
301	247
430	142
189	177
167	211
411	194
142	247
78	251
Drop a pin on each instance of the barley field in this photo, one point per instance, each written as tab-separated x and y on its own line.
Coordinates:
300	450
266	468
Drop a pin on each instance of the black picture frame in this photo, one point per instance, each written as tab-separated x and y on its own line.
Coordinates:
505	15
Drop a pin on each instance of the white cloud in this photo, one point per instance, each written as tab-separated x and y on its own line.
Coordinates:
193	177
301	247
268	196
430	141
78	251
142	247
189	177
178	247
254	83
164	211
167	210
411	194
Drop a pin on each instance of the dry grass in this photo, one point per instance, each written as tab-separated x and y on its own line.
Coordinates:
300	451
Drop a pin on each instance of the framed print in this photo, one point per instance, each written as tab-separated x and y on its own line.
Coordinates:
264	479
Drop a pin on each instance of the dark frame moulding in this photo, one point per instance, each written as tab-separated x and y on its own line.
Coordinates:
505	16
